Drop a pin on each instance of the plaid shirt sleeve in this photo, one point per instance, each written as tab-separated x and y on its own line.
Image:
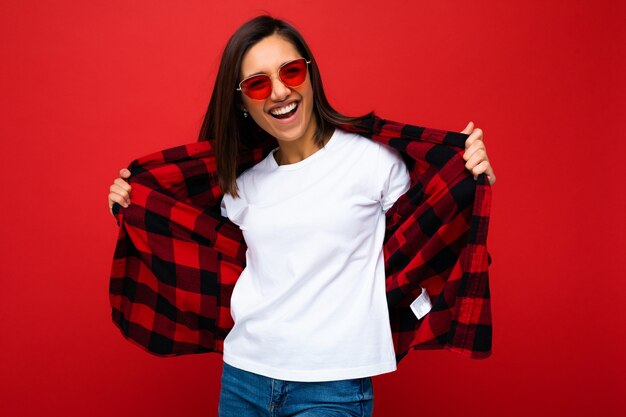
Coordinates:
177	258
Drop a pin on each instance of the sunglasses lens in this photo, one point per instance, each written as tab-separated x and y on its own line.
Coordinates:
294	73
258	87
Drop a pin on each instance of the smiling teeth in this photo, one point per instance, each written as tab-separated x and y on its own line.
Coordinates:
285	109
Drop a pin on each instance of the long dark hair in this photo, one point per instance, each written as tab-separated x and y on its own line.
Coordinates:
224	122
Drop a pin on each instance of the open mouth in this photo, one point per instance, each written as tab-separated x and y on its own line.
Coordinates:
285	112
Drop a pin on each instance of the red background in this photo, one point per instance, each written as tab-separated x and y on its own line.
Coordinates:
88	86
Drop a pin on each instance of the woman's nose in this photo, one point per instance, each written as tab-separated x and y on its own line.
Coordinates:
279	90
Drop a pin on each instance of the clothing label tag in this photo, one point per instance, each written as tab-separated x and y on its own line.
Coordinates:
422	305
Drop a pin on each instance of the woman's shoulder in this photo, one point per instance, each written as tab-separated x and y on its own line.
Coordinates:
380	150
260	166
357	142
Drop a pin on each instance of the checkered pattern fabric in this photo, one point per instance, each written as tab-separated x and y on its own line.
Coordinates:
177	259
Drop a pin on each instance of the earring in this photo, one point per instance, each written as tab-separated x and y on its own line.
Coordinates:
245	113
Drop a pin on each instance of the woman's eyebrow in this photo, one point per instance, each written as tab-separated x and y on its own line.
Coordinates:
256	73
265	73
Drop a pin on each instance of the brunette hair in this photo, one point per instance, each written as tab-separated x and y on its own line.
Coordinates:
224	122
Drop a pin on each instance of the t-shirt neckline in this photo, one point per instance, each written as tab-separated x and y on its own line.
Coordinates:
297	165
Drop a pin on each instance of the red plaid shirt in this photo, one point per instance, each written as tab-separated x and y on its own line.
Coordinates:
177	259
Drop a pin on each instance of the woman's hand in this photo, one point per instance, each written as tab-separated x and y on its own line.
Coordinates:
120	191
476	154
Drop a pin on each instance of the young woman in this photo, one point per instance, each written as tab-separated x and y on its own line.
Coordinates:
308	335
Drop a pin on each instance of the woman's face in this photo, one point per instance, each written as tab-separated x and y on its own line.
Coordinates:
266	57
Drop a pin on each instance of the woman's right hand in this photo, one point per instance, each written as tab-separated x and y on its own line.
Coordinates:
120	191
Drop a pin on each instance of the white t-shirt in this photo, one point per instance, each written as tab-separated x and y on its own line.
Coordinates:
310	305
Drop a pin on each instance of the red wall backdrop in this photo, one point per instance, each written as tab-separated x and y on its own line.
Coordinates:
86	87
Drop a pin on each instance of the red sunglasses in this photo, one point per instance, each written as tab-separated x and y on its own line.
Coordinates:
259	86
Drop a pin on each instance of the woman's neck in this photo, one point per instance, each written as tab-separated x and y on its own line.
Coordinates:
292	151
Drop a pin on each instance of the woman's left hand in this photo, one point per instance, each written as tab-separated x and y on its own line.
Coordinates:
476	154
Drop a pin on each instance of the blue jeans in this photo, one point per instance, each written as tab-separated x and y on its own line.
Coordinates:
246	394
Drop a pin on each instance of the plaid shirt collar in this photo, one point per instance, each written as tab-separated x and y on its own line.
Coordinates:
177	259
